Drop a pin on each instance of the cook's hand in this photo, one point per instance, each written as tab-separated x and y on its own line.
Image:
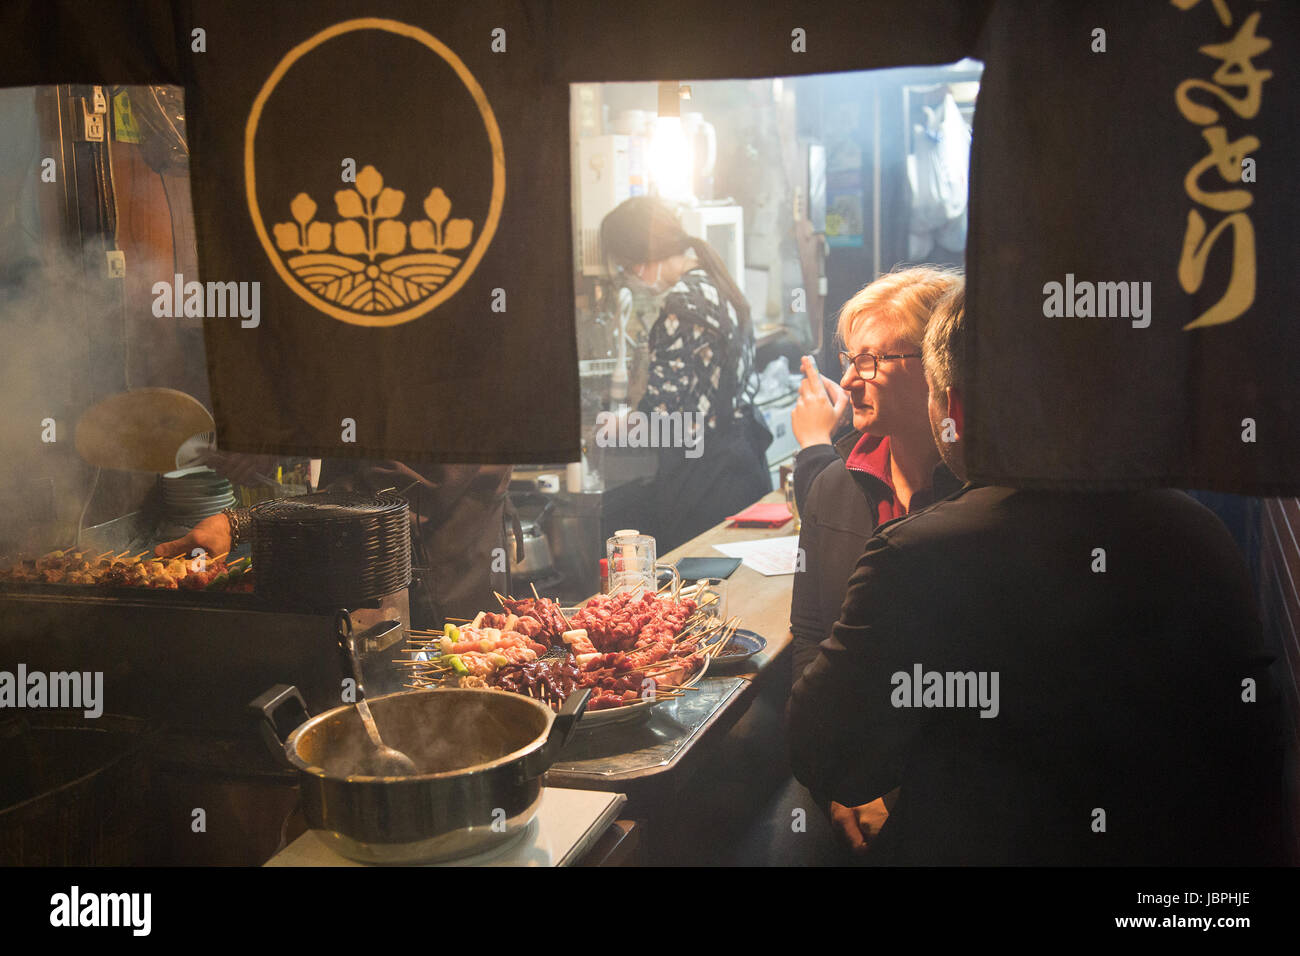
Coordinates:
859	826
251	470
819	408
212	534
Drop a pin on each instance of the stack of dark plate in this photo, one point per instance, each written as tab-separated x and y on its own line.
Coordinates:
335	549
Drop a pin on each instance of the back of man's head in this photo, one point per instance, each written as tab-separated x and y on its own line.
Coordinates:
943	349
943	353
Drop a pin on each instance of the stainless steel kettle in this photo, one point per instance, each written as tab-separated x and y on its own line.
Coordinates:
531	558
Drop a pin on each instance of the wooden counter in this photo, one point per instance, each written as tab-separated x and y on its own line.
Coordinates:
761	602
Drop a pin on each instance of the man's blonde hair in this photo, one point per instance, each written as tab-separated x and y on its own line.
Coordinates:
943	351
904	299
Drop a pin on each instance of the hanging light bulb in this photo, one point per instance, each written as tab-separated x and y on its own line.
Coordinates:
669	157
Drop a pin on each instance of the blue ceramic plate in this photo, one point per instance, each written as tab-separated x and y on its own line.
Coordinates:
742	646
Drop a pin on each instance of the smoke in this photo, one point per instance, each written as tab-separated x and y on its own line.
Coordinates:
45	366
71	334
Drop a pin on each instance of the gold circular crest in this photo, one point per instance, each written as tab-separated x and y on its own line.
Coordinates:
359	269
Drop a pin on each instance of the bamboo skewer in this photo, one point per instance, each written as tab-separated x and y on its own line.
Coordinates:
727	633
703	634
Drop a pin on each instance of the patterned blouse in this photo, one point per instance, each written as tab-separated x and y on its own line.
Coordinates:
698	361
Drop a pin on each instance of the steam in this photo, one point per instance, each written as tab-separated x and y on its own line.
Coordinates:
437	739
71	337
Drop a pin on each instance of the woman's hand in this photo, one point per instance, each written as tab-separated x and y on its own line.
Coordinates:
859	826
819	408
212	534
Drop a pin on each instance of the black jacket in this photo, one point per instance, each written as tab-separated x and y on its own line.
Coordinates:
837	512
458	537
1119	691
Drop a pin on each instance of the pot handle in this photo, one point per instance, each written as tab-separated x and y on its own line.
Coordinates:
347	647
266	706
350	644
562	727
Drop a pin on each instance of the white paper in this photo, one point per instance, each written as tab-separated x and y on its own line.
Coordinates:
767	556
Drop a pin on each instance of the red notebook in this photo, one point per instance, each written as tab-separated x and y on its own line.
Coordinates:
769	514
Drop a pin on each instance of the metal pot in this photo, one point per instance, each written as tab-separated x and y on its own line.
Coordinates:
480	755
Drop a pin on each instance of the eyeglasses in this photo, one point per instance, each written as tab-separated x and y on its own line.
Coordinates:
866	363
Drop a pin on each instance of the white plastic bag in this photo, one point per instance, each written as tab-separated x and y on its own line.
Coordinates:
938	169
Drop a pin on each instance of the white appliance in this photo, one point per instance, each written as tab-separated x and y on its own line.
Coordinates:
568	824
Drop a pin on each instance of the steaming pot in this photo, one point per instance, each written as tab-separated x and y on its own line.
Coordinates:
480	756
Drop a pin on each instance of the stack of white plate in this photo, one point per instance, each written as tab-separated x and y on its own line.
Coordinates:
191	494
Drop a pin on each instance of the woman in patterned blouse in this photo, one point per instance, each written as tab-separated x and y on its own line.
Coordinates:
701	364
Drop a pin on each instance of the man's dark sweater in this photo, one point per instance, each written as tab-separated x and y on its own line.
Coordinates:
839	510
1121	735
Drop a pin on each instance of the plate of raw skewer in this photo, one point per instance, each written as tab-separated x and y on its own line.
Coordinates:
634	650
